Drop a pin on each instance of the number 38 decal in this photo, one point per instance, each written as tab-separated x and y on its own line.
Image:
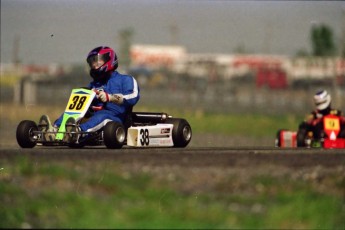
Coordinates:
77	102
144	140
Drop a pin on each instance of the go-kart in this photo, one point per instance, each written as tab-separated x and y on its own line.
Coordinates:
140	129
302	138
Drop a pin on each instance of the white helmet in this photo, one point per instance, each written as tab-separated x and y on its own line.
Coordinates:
322	100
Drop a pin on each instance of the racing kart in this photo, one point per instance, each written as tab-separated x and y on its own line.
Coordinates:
302	138
140	129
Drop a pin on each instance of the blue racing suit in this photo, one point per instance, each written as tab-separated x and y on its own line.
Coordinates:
116	84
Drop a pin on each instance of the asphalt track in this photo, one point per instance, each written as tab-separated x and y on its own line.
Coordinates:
190	156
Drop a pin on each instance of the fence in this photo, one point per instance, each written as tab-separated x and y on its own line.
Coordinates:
193	94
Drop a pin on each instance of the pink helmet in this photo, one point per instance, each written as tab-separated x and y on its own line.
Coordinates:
102	60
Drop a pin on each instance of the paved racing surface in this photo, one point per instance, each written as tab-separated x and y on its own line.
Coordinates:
190	156
204	150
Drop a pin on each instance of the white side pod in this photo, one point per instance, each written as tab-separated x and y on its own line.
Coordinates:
159	135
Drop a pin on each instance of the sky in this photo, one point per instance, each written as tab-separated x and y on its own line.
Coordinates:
64	31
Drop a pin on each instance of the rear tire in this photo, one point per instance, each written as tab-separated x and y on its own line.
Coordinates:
301	136
25	135
114	135
182	132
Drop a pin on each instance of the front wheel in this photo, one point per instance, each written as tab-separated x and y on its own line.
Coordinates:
114	135
25	134
182	132
278	138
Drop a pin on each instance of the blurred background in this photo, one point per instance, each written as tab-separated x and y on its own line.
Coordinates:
217	56
238	71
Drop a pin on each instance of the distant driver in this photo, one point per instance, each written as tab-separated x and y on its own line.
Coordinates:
313	122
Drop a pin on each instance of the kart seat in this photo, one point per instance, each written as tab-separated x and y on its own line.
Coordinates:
128	118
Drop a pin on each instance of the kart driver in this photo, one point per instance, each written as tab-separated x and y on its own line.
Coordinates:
116	94
313	125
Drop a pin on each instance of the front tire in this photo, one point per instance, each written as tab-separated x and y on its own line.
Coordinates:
182	132
114	135
278	140
25	134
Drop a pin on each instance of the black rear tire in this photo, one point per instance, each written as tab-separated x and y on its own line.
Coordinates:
25	135
182	132
114	135
301	136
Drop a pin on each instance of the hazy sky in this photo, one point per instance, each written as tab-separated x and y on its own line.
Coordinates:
63	31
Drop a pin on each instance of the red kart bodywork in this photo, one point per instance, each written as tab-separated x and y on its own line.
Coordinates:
331	124
287	139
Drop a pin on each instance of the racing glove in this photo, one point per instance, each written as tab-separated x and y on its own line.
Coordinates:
106	97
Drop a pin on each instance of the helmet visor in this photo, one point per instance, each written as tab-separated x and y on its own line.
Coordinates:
97	61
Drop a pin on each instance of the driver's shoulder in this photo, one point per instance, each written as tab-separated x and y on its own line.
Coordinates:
335	112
